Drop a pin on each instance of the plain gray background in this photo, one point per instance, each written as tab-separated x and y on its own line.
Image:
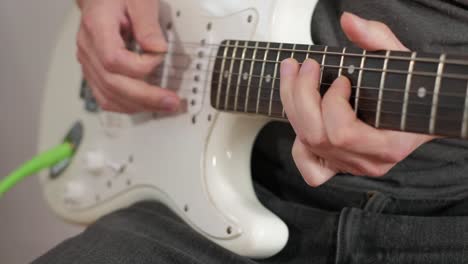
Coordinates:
28	30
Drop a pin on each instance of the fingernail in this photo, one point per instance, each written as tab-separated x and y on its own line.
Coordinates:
307	66
287	67
169	104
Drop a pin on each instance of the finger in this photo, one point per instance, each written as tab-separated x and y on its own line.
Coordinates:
314	170
145	21
126	106
151	98
369	35
307	103
107	98
346	131
102	100
105	38
342	126
288	75
356	164
97	73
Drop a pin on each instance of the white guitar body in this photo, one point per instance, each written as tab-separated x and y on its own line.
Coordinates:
196	162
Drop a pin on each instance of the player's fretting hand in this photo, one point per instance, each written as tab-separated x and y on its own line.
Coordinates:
114	73
330	138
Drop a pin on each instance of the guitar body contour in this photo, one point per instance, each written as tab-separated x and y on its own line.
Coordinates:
197	162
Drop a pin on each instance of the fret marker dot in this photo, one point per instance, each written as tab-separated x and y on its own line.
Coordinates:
226	74
421	92
268	78
351	69
245	76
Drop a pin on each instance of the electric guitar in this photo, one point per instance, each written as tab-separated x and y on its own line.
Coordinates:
223	59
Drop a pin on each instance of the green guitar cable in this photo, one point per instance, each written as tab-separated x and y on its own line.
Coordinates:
42	161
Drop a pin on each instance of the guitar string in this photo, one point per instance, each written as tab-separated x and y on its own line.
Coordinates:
366	99
159	78
274	62
369	99
195	70
383	124
367	110
438	118
337	53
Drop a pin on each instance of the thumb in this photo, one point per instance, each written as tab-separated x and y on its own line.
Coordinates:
145	22
368	34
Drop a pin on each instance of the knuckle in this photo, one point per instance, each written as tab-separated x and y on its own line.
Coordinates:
295	151
79	57
395	156
87	21
381	26
149	102
341	138
314	139
110	61
375	171
108	82
145	34
79	41
80	50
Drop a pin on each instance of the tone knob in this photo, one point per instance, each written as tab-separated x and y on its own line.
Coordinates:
95	162
74	193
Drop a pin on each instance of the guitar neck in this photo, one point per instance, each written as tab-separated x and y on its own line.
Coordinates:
406	91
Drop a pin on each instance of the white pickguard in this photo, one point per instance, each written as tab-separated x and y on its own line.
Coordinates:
196	162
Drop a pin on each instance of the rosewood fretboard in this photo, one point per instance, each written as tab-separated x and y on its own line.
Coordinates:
407	91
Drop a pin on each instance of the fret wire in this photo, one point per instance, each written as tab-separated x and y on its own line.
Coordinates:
340	71
322	67
407	92
283	114
359	82
250	77
308	52
274	80
381	87
435	96
293	52
221	76
240	75
230	76
465	116
261	79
